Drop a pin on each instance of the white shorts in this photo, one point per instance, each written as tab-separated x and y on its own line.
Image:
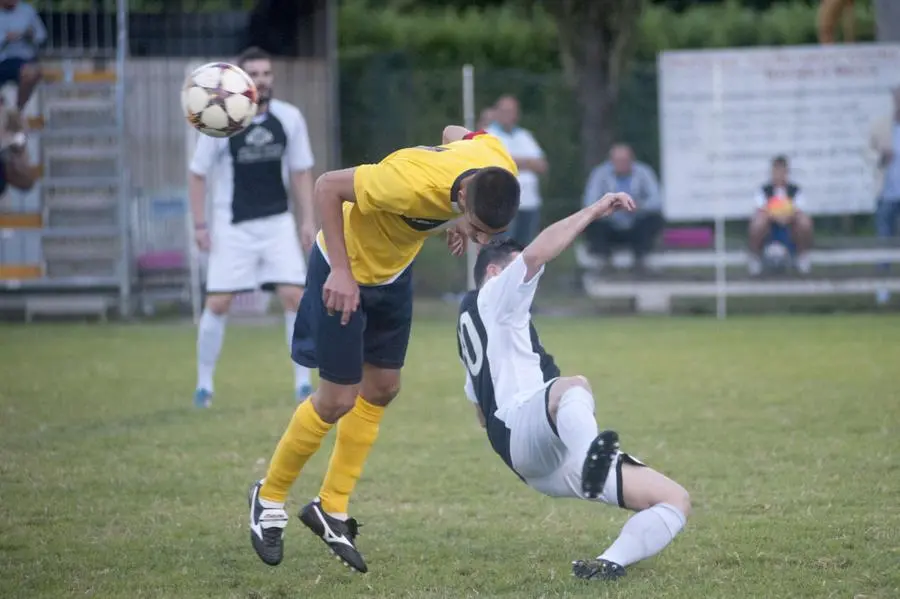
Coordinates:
541	458
248	255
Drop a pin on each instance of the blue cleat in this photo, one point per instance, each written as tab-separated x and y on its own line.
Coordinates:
303	392
202	398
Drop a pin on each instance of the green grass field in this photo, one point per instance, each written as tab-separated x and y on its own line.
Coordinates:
786	431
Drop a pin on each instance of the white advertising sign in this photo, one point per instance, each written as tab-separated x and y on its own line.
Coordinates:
724	114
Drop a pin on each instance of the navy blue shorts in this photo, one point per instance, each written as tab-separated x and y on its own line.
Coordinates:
10	69
377	334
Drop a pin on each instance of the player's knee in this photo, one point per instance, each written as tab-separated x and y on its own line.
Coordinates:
680	498
218	303
381	391
332	401
564	385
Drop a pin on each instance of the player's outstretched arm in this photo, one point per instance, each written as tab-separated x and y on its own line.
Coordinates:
341	293
557	237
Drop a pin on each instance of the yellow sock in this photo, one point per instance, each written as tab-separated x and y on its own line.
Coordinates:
356	433
301	439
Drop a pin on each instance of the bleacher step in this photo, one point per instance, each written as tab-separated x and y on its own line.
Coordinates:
66	305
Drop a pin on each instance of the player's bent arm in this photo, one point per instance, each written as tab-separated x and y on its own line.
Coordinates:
453	133
553	240
302	190
332	190
197	197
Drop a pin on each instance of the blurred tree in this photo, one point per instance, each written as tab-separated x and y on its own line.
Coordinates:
596	40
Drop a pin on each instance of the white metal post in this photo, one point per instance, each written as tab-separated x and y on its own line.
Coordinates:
721	281
125	196
468	87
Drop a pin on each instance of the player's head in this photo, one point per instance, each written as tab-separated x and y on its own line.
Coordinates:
622	158
779	170
8	4
506	112
494	257
490	200
257	63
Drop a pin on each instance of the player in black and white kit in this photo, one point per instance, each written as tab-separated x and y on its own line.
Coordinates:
252	239
542	424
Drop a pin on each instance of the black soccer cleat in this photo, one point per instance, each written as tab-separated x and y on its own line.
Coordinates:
339	535
597	462
597	569
266	528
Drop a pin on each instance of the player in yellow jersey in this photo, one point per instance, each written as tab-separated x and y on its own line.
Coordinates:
355	317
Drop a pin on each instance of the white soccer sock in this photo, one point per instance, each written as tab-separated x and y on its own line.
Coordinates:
575	421
301	373
210	334
645	534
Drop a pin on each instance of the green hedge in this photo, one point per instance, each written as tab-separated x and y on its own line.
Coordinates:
507	37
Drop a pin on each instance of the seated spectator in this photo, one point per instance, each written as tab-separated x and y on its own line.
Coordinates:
15	167
21	32
636	230
780	218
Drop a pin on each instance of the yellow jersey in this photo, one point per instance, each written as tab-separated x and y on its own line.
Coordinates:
407	197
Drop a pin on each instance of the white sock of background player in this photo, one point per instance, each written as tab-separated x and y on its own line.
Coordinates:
575	421
645	534
301	373
210	334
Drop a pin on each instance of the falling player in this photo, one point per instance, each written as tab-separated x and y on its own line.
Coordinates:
542	424
354	320
253	239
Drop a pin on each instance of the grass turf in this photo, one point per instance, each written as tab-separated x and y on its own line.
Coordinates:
786	431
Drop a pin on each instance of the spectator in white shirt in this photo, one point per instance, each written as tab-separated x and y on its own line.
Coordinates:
21	33
529	157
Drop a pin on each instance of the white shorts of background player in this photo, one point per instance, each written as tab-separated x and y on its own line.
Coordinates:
247	255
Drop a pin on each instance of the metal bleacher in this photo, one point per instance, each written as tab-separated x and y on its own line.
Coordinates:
838	269
64	244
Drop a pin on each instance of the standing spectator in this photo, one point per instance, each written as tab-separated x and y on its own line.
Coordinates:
637	230
885	142
780	217
485	118
529	157
253	242
21	32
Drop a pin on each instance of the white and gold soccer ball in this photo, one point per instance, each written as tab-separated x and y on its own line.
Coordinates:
219	99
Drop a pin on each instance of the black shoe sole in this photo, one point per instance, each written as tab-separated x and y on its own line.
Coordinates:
595	570
597	462
311	521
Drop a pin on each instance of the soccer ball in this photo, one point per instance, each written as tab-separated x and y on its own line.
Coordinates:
219	99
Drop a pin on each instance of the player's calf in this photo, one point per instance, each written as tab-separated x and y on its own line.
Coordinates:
662	506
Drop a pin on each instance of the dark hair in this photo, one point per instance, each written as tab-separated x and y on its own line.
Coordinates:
252	53
498	251
493	196
780	160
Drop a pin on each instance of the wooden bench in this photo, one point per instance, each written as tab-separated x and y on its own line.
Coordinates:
655	294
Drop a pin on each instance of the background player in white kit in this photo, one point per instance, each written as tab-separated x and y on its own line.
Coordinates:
541	424
252	240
